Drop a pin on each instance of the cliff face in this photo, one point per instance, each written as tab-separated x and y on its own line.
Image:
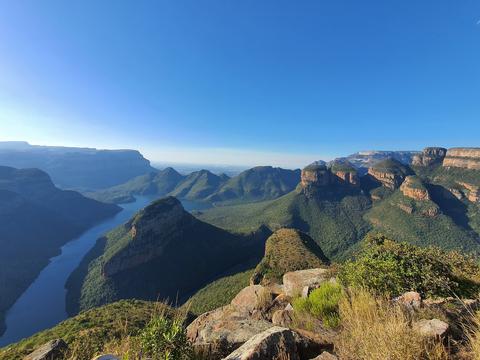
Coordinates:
429	156
413	188
318	175
390	173
472	192
466	158
338	173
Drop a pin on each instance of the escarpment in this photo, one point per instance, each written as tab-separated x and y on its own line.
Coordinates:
466	158
413	188
429	156
390	173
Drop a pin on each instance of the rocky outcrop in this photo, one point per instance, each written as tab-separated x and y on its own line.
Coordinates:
431	328
294	282
390	173
252	298
162	219
52	350
472	192
344	172
466	158
316	175
413	188
276	343
429	156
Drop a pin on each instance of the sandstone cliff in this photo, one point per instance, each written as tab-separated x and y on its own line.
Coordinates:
429	156
390	173
467	158
413	188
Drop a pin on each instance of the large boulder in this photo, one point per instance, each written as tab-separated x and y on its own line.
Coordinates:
51	350
434	328
224	330
276	343
294	282
251	298
325	356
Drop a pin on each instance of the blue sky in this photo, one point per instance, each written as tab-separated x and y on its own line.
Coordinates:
241	82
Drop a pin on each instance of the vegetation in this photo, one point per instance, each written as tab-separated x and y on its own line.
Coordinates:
288	250
88	333
375	329
321	303
387	267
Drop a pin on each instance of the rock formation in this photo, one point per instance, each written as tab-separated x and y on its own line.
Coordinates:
315	175
413	188
466	158
429	156
472	192
390	173
345	172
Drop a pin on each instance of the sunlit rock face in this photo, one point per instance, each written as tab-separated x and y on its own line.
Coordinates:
466	158
429	156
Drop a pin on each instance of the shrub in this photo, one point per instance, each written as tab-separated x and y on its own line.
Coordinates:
321	303
376	329
165	339
387	267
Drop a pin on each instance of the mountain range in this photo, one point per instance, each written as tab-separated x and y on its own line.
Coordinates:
76	168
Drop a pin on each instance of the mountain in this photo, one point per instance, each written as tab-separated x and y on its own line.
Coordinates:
76	168
157	183
255	184
363	160
36	219
199	185
435	201
258	183
162	252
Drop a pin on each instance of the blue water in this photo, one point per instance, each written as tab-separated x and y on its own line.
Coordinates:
42	305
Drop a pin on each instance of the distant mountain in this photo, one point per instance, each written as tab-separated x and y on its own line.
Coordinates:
157	183
162	252
436	201
258	183
36	219
76	168
365	159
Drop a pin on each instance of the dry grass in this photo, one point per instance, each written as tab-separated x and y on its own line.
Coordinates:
375	329
473	336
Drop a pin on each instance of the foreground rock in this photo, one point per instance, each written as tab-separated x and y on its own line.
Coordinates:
223	330
52	350
252	298
276	343
295	282
326	356
434	328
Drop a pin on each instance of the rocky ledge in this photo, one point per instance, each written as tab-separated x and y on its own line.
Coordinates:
413	188
429	156
390	173
466	158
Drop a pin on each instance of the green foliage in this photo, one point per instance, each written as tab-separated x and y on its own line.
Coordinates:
165	339
321	303
387	267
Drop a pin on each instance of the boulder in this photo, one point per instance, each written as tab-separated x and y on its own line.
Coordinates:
276	343
224	329
51	350
295	282
282	318
325	356
253	297
411	299
431	328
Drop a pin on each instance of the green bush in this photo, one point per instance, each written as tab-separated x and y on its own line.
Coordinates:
321	303
165	339
387	267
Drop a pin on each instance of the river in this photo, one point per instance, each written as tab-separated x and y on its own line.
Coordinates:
42	305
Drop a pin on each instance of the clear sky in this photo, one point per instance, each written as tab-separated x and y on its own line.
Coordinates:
241	81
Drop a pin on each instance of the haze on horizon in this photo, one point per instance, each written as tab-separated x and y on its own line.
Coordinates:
241	82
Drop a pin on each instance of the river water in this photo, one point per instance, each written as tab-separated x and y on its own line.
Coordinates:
42	305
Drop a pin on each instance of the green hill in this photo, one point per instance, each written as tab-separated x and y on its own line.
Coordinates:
198	185
162	252
36	219
258	183
288	250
